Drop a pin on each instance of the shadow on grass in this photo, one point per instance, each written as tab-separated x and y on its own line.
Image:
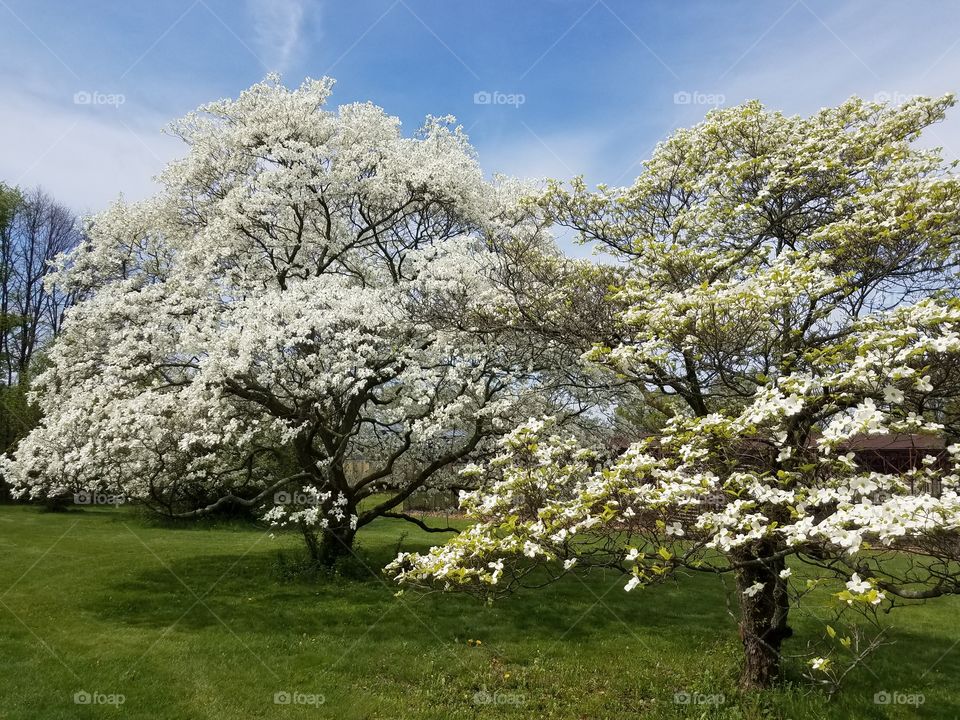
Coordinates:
262	597
561	646
255	593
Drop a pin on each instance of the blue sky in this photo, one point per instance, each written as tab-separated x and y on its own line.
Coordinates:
600	81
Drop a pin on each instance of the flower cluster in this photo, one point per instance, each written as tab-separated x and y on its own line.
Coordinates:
303	305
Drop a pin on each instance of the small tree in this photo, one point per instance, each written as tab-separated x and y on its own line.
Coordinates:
793	286
291	322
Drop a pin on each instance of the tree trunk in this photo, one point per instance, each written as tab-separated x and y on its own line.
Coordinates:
763	618
329	545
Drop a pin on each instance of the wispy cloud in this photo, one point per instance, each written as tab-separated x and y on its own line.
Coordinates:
278	25
85	155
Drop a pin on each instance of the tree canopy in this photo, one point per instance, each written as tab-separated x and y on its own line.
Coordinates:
791	287
302	319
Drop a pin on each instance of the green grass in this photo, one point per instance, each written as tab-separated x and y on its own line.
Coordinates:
205	622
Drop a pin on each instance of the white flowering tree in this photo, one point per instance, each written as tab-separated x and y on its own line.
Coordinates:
301	318
792	288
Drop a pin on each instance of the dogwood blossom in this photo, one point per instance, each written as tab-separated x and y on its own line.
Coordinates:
790	293
300	318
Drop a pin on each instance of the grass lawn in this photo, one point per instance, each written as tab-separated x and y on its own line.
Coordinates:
205	622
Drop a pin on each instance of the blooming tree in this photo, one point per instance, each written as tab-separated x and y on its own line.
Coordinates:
792	288
301	318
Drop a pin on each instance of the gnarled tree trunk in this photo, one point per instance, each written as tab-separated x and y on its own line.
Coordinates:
328	545
763	615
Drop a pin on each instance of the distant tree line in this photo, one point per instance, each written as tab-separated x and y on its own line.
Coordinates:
34	230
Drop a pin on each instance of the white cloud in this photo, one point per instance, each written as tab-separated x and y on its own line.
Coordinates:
529	153
279	30
868	62
84	155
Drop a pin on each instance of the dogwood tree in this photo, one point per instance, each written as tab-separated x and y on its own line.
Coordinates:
793	288
292	321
